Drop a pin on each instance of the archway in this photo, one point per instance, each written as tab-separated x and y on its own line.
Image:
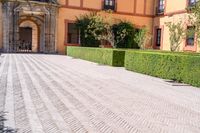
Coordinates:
29	36
30	16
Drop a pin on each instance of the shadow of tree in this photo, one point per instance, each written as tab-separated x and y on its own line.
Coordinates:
3	128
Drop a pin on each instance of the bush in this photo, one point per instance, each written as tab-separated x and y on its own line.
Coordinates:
105	56
96	29
179	67
128	41
142	37
81	23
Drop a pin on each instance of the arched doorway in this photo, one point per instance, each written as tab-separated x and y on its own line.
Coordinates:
30	26
28	37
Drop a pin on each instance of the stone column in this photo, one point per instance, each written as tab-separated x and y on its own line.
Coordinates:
6	21
16	30
50	30
46	32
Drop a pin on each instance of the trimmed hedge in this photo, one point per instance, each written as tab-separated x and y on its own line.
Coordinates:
175	66
112	57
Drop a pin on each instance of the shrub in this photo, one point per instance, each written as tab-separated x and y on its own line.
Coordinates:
127	41
81	23
176	35
96	29
142	37
101	27
105	56
179	67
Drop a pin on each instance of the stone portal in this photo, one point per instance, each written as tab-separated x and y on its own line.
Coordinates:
28	36
29	26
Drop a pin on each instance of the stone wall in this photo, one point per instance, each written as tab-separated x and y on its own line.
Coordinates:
41	19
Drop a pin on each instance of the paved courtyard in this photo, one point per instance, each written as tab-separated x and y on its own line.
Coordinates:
58	94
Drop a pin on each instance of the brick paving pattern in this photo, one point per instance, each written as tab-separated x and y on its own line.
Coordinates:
59	94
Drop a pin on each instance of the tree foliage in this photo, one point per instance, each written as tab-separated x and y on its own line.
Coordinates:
176	34
142	37
127	41
81	23
101	28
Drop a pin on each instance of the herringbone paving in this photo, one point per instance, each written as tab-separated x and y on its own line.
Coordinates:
58	94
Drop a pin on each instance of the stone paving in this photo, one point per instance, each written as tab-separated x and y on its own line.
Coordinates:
59	94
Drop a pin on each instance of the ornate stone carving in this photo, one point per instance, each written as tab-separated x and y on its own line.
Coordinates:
43	15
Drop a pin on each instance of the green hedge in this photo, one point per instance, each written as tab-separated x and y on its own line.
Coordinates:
176	66
112	57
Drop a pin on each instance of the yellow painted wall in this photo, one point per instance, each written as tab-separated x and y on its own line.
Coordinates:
150	7
175	12
125	11
139	12
125	5
175	5
162	22
140	6
94	4
74	2
139	21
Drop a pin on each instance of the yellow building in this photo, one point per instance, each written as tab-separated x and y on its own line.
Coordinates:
47	25
172	11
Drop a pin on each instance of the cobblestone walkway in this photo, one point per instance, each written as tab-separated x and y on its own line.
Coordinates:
58	94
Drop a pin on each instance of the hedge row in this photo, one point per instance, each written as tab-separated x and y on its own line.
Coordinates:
105	56
180	67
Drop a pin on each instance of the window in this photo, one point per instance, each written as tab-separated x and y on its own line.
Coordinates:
161	7
109	4
192	2
158	37
191	36
72	34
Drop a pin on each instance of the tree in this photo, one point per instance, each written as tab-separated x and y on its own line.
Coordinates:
142	37
81	23
176	34
101	28
127	41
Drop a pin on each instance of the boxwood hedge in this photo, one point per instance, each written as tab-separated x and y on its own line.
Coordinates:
175	66
112	57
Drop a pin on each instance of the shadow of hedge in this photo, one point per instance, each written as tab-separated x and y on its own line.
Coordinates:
3	128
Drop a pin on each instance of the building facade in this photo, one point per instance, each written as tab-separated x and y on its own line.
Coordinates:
172	11
48	25
28	26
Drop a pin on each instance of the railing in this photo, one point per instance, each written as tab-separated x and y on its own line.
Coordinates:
20	46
